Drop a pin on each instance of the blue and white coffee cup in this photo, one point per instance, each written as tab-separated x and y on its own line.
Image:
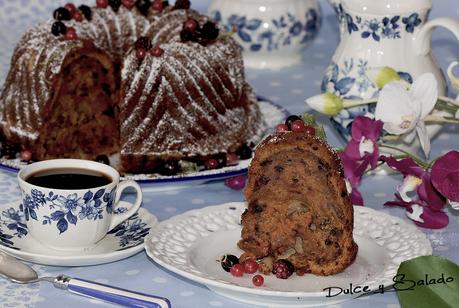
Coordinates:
74	219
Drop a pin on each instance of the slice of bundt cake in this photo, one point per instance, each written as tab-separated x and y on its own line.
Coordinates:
298	206
152	82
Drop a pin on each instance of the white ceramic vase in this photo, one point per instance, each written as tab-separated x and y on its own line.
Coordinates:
272	33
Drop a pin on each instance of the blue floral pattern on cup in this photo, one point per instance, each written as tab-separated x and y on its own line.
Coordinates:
67	209
279	32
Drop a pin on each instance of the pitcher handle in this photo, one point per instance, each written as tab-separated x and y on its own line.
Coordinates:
423	39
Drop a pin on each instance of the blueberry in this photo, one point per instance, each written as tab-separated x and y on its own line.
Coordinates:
244	152
221	160
227	261
210	31
144	43
171	167
186	36
182	4
9	150
290	120
58	28
62	13
114	4
143	6
103	159
86	11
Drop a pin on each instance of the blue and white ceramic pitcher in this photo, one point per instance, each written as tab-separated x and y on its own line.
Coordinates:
380	33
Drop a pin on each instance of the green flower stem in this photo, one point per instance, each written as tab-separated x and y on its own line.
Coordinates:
414	157
349	103
443	101
442	106
435	118
448	100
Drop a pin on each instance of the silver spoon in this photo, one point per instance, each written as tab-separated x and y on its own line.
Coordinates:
16	271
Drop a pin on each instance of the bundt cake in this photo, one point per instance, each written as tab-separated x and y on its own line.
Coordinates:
154	82
298	206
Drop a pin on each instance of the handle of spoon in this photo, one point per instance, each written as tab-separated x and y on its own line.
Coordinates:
110	294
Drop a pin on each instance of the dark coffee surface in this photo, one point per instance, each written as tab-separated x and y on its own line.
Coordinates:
69	179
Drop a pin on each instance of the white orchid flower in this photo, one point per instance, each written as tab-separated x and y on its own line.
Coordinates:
453	79
403	111
366	146
327	103
416	214
410	183
454	204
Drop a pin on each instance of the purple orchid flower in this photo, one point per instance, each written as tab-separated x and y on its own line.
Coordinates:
421	214
427	210
445	177
363	145
360	152
353	171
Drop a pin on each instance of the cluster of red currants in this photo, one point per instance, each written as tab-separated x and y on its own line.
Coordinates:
295	124
230	263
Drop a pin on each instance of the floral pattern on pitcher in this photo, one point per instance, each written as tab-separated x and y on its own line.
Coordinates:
351	81
67	209
377	29
256	36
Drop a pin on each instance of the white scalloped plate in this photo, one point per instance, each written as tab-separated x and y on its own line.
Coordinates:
191	243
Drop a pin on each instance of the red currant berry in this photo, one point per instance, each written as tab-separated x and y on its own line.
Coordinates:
157	5
70	34
190	25
231	159
236	182
291	119
71	8
258	280
77	16
211	164
156	52
128	3
140	53
310	130
237	270
250	266
102	3
26	155
298	126
282	128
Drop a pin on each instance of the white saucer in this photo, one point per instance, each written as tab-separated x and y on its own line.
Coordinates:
123	241
191	244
